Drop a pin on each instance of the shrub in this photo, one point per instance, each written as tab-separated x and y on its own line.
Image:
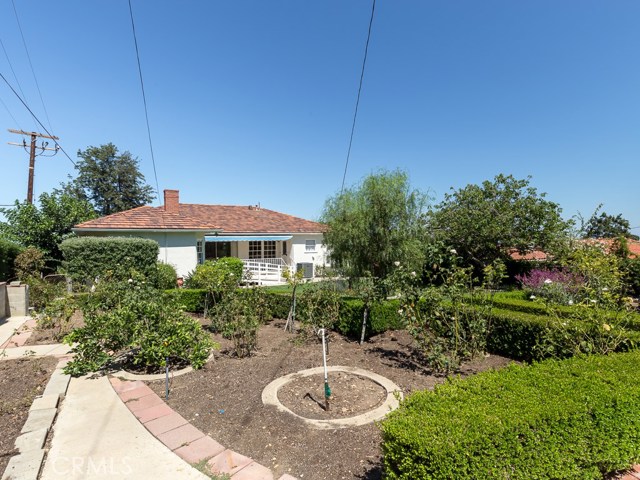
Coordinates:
125	318
57	316
8	253
449	322
576	418
189	299
525	336
216	275
556	285
237	319
30	262
167	277
88	258
319	308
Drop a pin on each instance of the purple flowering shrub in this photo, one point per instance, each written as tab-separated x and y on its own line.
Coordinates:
556	285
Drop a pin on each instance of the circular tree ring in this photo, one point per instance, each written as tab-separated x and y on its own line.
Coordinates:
394	395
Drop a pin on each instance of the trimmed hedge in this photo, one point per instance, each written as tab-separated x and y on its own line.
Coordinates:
568	419
382	317
190	299
8	253
515	301
86	258
515	334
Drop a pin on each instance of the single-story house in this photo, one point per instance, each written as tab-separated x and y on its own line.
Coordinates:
188	234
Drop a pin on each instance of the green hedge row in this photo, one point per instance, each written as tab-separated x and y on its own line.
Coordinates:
86	258
382	317
568	419
515	301
515	335
8	253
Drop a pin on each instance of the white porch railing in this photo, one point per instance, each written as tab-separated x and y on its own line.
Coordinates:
265	270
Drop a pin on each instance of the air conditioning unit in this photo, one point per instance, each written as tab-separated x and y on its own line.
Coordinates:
307	269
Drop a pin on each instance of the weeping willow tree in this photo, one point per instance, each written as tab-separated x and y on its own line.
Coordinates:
375	224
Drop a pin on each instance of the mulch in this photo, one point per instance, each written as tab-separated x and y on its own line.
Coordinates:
21	380
224	400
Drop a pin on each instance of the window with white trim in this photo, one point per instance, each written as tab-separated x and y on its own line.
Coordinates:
199	252
309	245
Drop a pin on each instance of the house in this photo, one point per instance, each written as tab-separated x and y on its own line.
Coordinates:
188	234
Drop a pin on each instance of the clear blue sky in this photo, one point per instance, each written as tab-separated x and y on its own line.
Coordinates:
252	101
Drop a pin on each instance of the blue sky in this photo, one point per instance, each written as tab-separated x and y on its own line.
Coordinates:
252	101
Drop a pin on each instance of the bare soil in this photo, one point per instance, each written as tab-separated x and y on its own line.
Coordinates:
224	400
351	395
21	380
55	334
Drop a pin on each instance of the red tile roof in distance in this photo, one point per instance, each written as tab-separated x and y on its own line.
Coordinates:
186	216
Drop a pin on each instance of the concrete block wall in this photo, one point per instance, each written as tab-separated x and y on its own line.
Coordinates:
18	299
4	311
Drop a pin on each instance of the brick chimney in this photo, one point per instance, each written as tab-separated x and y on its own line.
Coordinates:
172	201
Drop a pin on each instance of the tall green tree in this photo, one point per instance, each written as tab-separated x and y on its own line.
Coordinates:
483	222
375	224
45	224
603	225
111	181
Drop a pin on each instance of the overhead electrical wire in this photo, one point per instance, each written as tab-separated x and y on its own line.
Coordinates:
10	114
144	99
36	118
6	54
24	42
355	113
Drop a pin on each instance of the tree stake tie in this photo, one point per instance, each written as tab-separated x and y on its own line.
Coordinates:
327	390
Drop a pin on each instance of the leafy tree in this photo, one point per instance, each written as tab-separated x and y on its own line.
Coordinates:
483	222
112	182
374	224
46	224
606	226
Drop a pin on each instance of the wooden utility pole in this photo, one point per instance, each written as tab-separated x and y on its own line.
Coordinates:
32	154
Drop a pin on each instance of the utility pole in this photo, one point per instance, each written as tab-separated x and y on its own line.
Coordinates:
32	154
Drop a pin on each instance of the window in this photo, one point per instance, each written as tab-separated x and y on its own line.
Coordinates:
255	249
214	250
284	248
269	250
309	245
199	252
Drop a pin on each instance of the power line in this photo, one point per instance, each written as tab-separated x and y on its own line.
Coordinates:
355	114
6	54
144	99
10	114
37	119
24	42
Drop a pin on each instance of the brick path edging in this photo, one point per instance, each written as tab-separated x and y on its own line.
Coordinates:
185	440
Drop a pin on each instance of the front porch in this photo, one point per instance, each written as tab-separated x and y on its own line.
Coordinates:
265	257
265	271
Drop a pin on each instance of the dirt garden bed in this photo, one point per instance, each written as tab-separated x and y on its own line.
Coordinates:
224	400
21	380
48	336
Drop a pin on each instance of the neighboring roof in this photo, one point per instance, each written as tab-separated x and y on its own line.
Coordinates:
606	243
530	256
223	218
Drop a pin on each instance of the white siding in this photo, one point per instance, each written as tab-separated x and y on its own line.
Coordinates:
177	249
299	254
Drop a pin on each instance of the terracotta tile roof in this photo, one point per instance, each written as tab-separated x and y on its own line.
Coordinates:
227	218
608	245
531	256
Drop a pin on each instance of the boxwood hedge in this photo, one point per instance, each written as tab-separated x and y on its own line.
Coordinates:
86	258
561	419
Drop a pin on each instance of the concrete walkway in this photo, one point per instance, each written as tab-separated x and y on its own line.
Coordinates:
97	437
